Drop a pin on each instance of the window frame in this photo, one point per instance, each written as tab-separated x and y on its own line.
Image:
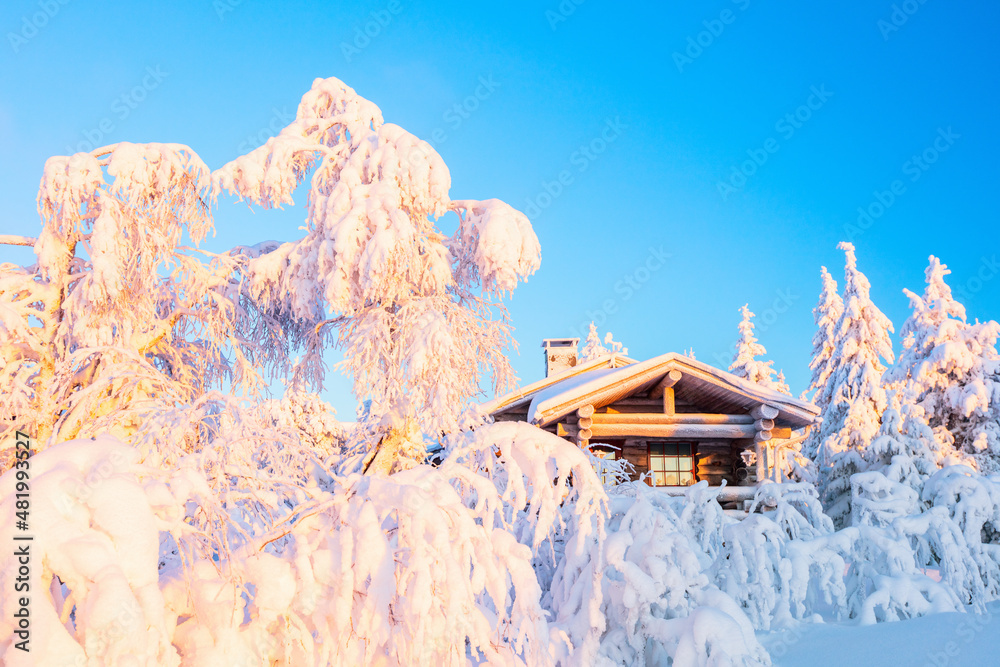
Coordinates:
677	454
606	452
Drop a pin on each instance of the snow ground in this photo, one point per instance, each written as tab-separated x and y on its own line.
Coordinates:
937	640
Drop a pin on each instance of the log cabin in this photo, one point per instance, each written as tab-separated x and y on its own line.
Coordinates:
677	420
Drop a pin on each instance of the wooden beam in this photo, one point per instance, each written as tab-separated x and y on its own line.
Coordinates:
727	494
510	417
631	401
706	431
761	467
585	422
679	418
764	412
712	448
781	433
668	401
668	381
583	434
566	430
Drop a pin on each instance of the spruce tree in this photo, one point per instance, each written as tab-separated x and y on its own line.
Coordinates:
951	370
592	347
745	363
853	397
826	314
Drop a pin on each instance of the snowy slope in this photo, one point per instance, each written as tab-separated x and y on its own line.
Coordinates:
937	640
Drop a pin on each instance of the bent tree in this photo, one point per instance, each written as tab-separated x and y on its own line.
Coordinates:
119	316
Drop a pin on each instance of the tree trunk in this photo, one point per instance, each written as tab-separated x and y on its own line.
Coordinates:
396	450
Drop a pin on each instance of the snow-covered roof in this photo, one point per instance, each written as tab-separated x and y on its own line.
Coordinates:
521	396
700	384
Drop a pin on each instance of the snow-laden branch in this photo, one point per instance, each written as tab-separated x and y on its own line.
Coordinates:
10	239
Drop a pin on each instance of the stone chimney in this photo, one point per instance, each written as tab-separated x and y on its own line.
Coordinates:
560	354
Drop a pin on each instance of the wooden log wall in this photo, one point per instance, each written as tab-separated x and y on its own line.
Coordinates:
656	418
719	438
636	452
715	460
764	414
687	431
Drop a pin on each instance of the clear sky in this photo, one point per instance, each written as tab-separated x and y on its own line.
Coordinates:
711	154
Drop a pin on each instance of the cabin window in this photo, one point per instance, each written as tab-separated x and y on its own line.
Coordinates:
672	463
605	453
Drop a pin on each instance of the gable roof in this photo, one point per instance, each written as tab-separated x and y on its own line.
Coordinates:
520	397
700	383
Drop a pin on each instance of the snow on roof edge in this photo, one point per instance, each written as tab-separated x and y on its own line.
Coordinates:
516	396
540	405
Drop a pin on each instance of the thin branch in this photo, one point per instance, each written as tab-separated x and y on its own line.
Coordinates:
104	151
10	239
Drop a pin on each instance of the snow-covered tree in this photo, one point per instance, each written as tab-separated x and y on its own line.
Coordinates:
308	415
415	312
899	452
613	345
662	604
593	348
117	313
780	384
854	396
826	314
951	369
216	560
940	444
745	363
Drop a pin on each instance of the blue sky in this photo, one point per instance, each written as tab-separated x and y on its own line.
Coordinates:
710	154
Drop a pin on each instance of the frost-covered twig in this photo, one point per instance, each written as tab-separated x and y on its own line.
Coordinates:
10	239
